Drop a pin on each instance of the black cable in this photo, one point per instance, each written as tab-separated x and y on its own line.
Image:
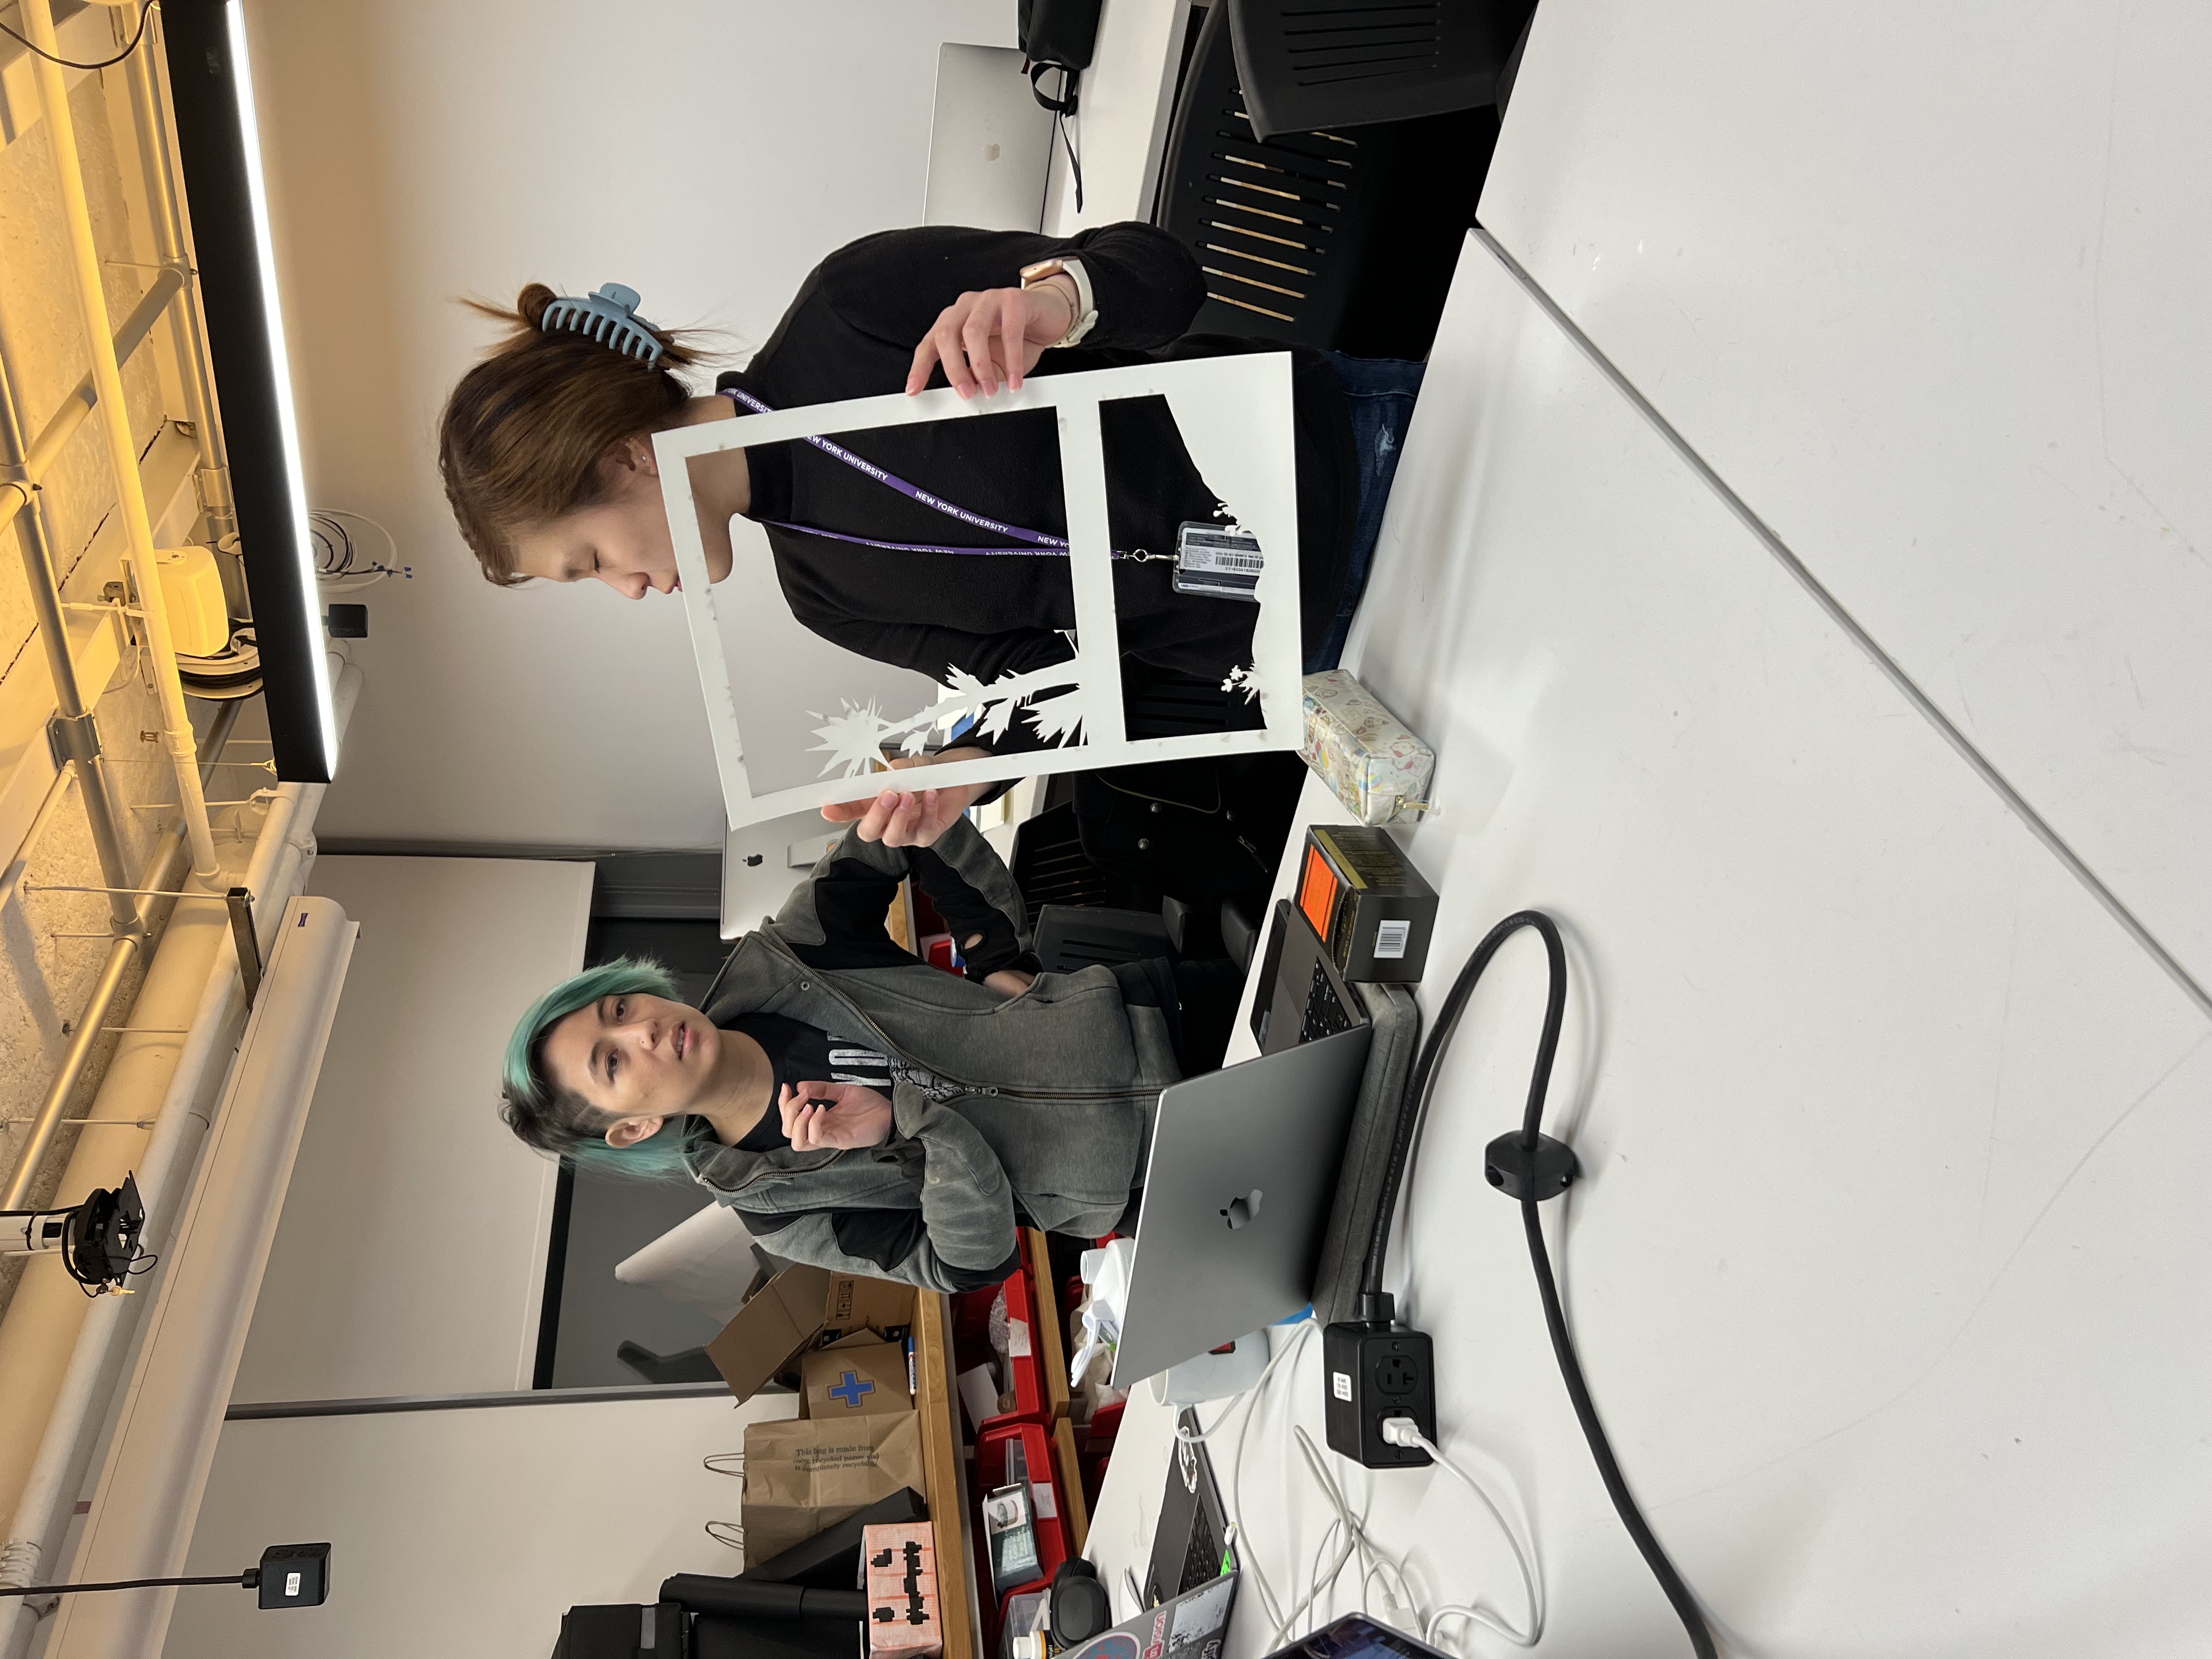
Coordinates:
136	35
1374	1303
249	1579
1555	1319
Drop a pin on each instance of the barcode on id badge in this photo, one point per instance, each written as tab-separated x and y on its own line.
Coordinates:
1202	550
1198	557
1390	939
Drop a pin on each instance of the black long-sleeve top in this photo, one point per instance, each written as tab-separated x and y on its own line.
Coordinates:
852	332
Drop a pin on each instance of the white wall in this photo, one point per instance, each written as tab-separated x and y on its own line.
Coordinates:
708	153
411	1257
461	1532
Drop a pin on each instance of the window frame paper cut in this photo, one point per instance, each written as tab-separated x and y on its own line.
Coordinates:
1254	468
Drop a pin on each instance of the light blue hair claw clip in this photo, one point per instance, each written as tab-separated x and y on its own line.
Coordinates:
609	317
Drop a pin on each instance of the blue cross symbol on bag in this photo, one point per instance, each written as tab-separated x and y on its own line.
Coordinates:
851	1388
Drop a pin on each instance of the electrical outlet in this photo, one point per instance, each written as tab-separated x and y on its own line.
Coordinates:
1376	1370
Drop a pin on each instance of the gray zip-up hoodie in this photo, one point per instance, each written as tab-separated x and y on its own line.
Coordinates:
1042	1101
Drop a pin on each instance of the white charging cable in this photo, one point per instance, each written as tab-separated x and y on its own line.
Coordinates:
1404	1431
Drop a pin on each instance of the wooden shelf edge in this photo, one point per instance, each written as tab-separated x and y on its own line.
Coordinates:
1052	1350
938	1402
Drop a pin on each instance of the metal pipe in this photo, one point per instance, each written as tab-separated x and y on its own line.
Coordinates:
79	736
56	791
115	425
25	1174
84	397
90	1022
187	325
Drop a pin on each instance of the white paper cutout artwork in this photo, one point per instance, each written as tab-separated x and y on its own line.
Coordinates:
841	714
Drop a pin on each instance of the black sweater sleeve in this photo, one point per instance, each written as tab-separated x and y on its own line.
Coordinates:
891	286
851	891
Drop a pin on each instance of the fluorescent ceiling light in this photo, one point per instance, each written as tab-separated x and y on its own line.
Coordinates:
280	363
219	147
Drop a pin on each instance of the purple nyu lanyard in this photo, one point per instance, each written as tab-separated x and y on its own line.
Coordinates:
1041	546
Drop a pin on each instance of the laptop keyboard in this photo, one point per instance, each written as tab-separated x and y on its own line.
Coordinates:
1325	1013
1202	1563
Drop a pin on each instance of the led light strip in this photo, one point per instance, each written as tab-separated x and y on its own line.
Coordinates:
281	369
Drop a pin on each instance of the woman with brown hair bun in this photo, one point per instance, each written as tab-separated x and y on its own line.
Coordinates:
546	452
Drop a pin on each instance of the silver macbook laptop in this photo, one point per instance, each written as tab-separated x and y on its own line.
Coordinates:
1245	1164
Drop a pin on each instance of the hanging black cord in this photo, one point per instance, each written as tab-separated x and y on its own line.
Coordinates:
1374	1304
136	35
251	1578
1372	1298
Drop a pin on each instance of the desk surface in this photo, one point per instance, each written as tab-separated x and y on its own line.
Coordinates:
1889	1265
1927	286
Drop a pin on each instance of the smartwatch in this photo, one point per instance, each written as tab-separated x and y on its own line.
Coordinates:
1086	311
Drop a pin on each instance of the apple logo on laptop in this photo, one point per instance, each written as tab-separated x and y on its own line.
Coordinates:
1243	1211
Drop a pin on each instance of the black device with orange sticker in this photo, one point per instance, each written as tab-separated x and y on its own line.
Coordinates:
1369	906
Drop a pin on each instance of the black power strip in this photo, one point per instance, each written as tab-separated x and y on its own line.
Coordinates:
1375	1372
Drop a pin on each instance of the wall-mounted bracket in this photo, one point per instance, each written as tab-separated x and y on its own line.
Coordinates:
249	946
73	737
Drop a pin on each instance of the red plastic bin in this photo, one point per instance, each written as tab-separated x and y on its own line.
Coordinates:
1055	1543
1024	1365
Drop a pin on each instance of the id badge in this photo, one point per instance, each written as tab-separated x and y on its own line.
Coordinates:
1220	562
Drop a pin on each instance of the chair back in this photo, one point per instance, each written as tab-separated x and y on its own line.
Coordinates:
1304	65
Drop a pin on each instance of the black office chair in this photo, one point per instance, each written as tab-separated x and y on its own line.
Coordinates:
1068	939
1345	241
1048	863
1305	66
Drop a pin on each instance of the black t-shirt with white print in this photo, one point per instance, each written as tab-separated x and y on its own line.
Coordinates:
799	1053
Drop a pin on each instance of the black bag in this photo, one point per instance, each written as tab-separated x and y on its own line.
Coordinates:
1057	34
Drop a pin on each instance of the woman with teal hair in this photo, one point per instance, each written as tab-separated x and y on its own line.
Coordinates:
864	1111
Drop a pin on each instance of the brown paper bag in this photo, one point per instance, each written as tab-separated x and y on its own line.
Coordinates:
802	1474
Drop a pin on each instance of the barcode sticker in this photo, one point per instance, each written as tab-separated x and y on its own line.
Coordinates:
1221	561
1017	1338
1198	557
1047	1501
1390	939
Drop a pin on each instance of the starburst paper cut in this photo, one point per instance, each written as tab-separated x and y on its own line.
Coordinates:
852	738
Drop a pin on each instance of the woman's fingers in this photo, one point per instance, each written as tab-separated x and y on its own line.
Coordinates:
1013	331
951	345
979	340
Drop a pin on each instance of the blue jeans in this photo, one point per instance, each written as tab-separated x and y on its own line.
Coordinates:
1380	392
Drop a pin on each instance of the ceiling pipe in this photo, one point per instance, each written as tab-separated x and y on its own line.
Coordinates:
115	426
150	116
61	1355
78	738
154	879
15	491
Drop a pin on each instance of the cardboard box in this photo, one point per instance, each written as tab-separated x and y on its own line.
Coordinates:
802	1476
801	1309
855	1376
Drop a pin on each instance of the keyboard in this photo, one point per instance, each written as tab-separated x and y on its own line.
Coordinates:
1325	1013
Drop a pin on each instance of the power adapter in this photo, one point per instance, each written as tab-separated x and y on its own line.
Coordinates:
1377	1369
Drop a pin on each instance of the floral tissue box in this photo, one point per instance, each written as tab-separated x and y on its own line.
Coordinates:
1378	768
